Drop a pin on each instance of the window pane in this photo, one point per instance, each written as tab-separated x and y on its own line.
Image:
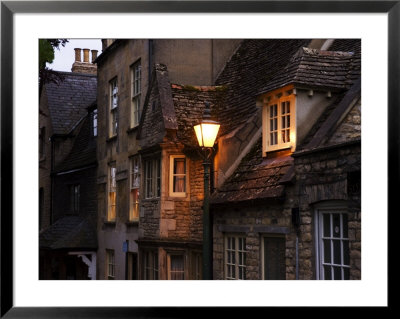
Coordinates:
327	273
337	273
327	251
337	254
336	225
345	226
346	252
177	267
327	225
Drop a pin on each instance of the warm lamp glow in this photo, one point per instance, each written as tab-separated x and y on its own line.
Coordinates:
206	133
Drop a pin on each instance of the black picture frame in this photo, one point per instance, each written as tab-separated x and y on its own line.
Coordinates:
9	8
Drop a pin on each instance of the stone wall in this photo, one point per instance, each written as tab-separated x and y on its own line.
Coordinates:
328	176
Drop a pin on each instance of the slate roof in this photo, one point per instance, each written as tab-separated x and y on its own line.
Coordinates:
189	104
69	232
255	63
68	99
83	152
256	178
312	68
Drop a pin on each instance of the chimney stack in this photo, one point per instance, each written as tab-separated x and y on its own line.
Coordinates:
84	66
77	55
86	55
94	55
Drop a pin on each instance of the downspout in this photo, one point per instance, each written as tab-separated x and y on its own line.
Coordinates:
296	225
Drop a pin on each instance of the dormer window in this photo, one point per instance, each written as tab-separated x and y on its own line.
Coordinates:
279	130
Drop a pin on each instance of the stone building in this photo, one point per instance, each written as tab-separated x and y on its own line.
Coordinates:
125	83
67	175
291	209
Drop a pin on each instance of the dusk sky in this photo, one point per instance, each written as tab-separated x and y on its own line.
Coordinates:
64	58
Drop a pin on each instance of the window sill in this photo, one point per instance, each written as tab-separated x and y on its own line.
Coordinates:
132	222
280	152
132	129
112	138
110	223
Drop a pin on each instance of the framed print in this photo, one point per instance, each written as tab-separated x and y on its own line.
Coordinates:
265	209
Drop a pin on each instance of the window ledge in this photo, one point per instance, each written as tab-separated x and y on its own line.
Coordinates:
112	138
109	223
132	222
132	129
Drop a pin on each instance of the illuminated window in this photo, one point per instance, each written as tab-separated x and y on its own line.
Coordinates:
235	257
279	121
113	115
112	193
134	188
177	179
136	75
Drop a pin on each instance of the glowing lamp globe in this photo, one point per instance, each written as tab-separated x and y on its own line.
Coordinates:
207	130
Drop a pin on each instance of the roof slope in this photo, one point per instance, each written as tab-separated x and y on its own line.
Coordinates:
255	178
69	98
83	152
254	64
69	232
314	68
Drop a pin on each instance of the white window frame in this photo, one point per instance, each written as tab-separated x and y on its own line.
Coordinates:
94	122
278	98
113	108
172	193
342	240
136	83
134	175
239	263
112	188
110	264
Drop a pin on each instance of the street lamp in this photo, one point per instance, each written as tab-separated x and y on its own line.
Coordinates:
206	133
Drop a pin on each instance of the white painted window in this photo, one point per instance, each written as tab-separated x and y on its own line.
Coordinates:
136	79
235	257
333	255
112	193
134	188
94	122
177	176
113	108
279	130
110	260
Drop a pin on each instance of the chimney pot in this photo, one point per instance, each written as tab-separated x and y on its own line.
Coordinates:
86	55
77	55
94	55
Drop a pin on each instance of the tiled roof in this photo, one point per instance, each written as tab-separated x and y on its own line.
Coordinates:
70	232
254	64
255	178
316	69
68	99
189	104
83	152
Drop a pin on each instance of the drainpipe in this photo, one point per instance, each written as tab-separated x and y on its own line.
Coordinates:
296	225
